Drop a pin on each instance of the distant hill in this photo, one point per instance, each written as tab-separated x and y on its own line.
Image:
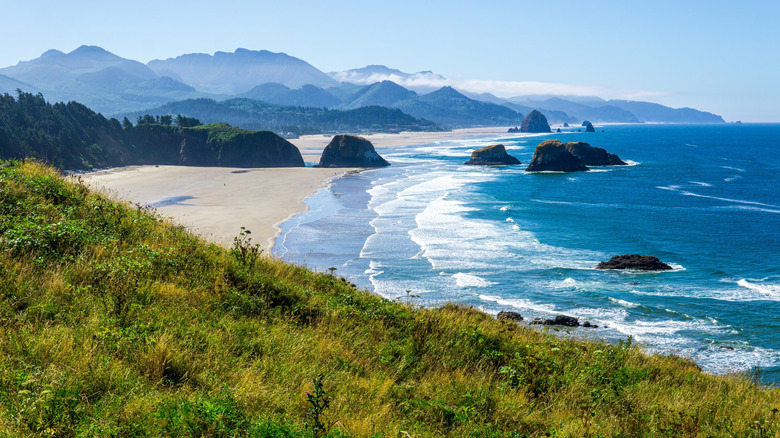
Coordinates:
10	85
240	71
71	136
594	112
110	84
385	93
99	79
254	114
449	108
308	95
653	112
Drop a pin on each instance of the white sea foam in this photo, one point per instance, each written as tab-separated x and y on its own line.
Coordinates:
623	303
733	178
703	184
469	280
509	219
504	208
733	168
770	290
632	163
519	303
745	207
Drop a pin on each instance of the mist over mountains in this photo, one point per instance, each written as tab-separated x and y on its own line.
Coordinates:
114	85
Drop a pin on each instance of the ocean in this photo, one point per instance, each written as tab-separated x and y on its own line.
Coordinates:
703	198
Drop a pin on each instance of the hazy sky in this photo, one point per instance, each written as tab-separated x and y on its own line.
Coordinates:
717	56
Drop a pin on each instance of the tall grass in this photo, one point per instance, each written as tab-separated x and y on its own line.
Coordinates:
114	322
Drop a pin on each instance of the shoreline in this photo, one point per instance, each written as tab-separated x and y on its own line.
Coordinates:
215	202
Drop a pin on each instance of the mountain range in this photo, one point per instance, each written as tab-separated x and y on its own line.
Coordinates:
114	85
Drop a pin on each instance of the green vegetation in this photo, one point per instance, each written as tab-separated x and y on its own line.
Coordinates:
71	136
294	120
116	323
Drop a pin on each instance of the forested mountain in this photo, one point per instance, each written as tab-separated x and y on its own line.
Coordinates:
240	71
653	112
253	114
97	78
308	95
71	136
114	85
452	109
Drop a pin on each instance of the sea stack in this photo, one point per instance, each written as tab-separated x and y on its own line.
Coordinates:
493	155
552	156
634	262
350	151
589	127
593	156
535	122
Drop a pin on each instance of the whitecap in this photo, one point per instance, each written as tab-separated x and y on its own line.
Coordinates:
703	184
623	303
469	280
770	290
733	168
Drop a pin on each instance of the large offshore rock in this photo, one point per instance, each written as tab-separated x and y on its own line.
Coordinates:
493	155
552	156
351	151
593	156
535	122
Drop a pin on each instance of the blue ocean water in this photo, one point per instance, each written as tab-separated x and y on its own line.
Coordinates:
704	198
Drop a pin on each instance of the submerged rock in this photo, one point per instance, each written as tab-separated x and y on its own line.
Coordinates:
511	316
552	156
534	122
589	127
634	262
593	156
351	151
492	155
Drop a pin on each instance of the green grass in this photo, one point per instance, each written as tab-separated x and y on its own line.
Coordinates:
114	322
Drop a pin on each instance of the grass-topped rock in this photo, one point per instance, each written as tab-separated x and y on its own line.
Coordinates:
115	322
593	156
493	155
351	151
552	156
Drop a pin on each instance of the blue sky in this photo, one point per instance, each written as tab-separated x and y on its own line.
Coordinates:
715	56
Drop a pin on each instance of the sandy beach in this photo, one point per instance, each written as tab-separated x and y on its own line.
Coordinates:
215	202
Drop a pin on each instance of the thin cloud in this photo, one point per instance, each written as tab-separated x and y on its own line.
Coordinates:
497	88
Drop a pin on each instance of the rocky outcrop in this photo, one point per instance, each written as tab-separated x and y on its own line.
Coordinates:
494	155
565	125
513	130
589	127
534	122
634	262
350	151
552	156
568	321
585	123
510	316
593	156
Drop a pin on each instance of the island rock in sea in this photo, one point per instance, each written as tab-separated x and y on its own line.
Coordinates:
535	122
634	262
552	156
589	127
350	151
493	155
593	156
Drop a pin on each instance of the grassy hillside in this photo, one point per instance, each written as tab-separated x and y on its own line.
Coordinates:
116	323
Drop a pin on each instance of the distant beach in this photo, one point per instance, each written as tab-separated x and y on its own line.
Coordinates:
215	202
